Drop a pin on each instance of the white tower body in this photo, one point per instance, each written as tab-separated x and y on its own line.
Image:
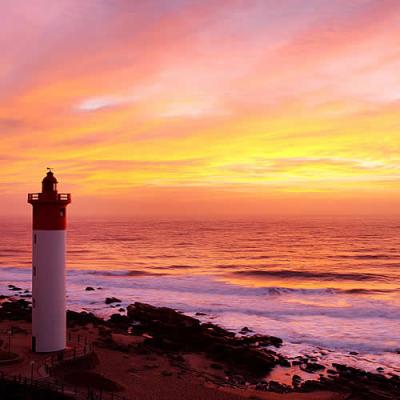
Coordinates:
48	290
48	267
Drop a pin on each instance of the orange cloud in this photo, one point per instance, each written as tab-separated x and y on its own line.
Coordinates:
203	107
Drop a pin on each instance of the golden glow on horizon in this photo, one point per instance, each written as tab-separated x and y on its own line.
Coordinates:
199	105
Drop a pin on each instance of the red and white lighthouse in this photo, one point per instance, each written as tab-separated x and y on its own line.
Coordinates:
48	266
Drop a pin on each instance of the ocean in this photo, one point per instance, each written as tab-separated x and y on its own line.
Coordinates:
326	286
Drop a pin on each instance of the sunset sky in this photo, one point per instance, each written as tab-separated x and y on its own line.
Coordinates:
181	108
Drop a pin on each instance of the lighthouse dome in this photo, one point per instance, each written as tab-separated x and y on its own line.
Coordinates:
49	183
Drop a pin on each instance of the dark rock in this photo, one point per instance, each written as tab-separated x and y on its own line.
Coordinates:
277	387
82	318
331	371
170	330
353	353
283	362
344	370
262	340
311	386
200	314
89	288
367	385
253	361
16	310
296	380
122	321
237	379
217	330
395	380
110	300
312	367
245	330
14	288
262	386
121	309
150	315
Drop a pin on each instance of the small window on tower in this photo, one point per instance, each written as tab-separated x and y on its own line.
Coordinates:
54	186
33	303
34	239
34	271
62	212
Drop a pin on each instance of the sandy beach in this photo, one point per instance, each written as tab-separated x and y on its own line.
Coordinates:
146	376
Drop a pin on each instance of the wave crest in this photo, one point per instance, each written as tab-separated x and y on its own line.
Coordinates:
293	274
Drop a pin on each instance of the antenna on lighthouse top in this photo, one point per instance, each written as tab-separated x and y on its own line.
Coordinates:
49	169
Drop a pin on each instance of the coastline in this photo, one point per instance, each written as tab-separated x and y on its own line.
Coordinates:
171	354
339	300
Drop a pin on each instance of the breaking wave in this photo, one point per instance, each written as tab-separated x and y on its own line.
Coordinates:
312	275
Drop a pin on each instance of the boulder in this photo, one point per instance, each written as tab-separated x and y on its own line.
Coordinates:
82	318
296	381
16	310
312	367
262	340
120	321
14	288
110	300
277	387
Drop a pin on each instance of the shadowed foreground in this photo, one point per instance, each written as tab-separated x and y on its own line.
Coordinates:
158	353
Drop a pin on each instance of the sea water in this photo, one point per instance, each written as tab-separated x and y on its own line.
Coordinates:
326	286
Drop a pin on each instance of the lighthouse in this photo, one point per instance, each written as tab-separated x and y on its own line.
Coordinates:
48	266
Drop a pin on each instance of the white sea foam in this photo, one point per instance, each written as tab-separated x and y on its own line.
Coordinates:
319	317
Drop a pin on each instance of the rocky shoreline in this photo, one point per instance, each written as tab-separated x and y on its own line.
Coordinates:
244	361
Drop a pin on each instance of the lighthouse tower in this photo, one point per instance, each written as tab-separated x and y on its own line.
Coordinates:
48	266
